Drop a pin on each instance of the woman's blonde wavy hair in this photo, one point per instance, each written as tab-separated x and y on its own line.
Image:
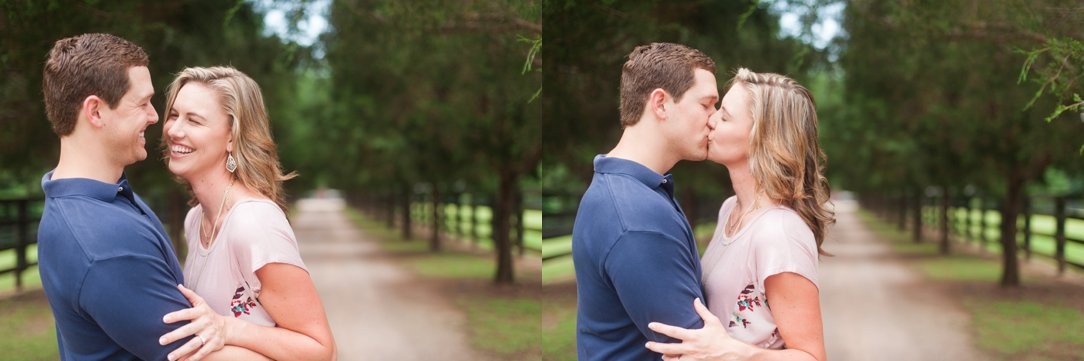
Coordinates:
254	150
784	156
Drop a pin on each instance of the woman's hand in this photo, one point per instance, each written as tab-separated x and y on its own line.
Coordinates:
709	343
208	328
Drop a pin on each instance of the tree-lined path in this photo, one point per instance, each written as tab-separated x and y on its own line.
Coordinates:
377	309
876	308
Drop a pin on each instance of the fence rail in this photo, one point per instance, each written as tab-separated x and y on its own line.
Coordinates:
18	231
976	219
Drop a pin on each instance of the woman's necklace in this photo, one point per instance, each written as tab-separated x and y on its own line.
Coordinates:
214	223
214	231
732	227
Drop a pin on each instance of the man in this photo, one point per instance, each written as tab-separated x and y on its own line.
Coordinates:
635	256
106	264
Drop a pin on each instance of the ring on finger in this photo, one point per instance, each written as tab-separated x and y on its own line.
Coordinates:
201	340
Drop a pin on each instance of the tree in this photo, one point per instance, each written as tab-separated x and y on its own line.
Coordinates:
946	76
456	108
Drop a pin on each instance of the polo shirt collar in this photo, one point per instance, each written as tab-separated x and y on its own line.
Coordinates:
86	187
611	165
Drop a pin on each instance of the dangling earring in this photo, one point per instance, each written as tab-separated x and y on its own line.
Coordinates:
231	164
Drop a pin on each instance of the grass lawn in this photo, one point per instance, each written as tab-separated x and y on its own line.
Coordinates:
559	322
26	324
1042	320
500	321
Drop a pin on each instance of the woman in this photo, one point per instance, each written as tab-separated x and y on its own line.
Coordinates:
243	257
769	234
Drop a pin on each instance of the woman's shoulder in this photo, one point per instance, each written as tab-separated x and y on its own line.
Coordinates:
782	223
727	205
256	212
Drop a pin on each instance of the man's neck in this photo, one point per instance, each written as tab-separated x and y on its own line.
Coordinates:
646	147
83	161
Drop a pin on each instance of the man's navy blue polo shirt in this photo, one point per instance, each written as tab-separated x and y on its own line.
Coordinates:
636	262
108	270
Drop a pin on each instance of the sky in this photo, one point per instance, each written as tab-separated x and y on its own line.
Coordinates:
315	22
824	30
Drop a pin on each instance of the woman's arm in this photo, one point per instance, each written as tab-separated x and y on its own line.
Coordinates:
302	331
795	307
289	297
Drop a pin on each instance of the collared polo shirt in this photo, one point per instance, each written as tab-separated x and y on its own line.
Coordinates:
108	270
636	262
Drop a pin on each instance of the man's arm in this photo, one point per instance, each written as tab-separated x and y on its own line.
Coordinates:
655	276
127	296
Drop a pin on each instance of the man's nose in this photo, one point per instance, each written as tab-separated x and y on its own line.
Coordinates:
154	115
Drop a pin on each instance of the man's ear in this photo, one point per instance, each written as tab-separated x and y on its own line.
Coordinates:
91	109
656	103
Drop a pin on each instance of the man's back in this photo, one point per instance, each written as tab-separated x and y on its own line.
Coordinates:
635	259
108	271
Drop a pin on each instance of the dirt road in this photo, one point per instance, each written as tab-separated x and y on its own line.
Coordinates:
875	308
376	308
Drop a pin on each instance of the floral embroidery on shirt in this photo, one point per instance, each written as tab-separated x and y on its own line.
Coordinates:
239	306
747	302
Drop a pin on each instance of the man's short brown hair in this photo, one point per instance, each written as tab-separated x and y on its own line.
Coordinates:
85	65
658	65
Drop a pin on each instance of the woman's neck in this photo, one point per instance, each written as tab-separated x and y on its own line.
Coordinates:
745	188
210	193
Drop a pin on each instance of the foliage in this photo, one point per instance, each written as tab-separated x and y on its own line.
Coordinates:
436	99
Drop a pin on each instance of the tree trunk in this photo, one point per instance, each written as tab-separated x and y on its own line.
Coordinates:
502	227
389	210
916	217
404	204
517	211
945	197
901	212
1010	209
434	236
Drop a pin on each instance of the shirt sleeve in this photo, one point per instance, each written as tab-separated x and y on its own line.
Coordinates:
263	235
656	278
785	244
127	297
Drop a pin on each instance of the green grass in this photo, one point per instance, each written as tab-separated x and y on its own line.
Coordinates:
505	325
1025	330
559	326
26	324
31	279
558	270
1014	329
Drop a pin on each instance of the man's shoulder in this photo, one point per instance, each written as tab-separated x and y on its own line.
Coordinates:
99	229
627	196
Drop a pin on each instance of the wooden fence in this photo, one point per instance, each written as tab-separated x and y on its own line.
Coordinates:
976	219
18	231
